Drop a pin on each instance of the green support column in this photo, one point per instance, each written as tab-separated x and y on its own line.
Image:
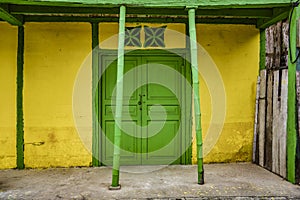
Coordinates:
119	102
291	121
95	100
194	62
262	49
20	118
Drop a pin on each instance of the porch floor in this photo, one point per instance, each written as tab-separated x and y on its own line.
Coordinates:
169	182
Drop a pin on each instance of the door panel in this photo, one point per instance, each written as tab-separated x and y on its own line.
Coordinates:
131	116
161	111
130	144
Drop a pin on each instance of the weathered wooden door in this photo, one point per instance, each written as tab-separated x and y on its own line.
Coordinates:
154	131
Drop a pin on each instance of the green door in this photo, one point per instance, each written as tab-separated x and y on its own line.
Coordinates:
156	113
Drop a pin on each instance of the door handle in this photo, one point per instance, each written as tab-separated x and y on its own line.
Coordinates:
140	102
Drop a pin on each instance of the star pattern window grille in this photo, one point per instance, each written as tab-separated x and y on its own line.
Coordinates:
133	36
154	37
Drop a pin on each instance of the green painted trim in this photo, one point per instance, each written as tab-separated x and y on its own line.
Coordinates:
95	95
157	3
7	16
195	79
238	12
20	117
291	121
278	15
262	50
139	19
119	100
189	152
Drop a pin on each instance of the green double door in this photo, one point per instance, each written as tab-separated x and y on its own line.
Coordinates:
156	114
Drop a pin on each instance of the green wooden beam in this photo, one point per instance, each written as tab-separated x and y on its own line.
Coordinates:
291	121
158	3
139	19
7	16
262	50
278	15
197	109
20	118
119	101
239	12
95	95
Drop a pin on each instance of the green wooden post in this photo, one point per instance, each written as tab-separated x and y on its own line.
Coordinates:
194	62
291	121
119	101
95	96
20	118
262	49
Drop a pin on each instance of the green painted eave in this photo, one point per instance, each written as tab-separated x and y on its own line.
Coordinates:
158	3
262	13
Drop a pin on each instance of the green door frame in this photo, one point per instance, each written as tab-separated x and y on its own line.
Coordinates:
184	53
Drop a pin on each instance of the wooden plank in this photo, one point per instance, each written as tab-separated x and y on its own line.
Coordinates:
262	118
255	132
269	121
283	123
276	124
298	119
277	45
269	47
285	44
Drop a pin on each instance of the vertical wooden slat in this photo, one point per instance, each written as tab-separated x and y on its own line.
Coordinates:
285	44
283	123
269	121
255	132
276	124
269	47
262	118
298	120
277	45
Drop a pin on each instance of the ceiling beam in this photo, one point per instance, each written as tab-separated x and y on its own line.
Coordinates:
239	12
38	18
7	16
278	15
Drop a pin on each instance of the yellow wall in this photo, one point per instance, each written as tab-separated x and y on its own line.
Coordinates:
235	51
54	53
8	57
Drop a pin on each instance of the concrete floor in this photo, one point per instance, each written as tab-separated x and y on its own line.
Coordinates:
222	181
